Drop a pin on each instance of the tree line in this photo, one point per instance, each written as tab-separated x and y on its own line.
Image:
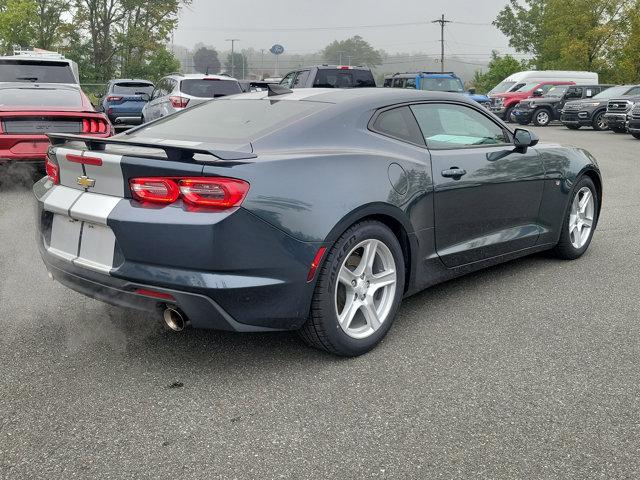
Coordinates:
602	36
105	37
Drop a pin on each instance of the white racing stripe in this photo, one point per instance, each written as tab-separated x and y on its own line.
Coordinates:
108	176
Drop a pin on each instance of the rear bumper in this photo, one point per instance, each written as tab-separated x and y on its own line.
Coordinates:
228	271
23	147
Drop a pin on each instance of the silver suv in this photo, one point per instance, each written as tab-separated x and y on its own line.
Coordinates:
176	92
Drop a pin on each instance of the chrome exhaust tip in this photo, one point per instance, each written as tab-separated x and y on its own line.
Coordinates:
174	319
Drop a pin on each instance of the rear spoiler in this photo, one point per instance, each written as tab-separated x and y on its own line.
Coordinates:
175	151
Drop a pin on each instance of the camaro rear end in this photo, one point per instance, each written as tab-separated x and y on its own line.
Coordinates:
314	210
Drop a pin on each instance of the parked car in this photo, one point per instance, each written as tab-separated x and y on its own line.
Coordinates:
590	112
28	112
177	92
124	100
503	104
543	110
517	80
617	110
38	66
318	210
633	122
433	82
329	76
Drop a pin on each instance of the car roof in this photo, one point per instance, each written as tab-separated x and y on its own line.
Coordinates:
200	76
422	74
131	80
362	97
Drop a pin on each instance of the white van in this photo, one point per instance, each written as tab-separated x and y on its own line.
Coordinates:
517	80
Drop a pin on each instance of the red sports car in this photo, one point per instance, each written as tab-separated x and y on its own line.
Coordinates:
29	111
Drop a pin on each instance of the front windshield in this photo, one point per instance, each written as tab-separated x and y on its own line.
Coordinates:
557	91
502	87
444	84
612	92
527	87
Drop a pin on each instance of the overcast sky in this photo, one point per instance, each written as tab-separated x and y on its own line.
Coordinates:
306	26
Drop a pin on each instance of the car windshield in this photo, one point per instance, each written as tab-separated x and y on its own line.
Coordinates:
229	120
210	87
330	78
612	92
130	88
502	87
35	71
527	87
557	91
445	84
39	97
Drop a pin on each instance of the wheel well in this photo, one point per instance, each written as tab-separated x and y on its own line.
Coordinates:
595	178
403	238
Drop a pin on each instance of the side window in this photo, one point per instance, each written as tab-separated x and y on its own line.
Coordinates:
450	126
287	81
301	79
387	82
574	92
546	88
399	123
398	83
634	91
411	83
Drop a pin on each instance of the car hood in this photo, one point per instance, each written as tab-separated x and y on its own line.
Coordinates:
43	97
599	101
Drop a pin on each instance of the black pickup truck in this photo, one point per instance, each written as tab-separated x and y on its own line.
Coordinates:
543	110
633	122
591	112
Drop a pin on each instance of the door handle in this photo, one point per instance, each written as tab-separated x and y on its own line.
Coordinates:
454	172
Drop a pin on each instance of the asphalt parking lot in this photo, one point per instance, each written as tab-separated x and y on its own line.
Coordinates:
527	370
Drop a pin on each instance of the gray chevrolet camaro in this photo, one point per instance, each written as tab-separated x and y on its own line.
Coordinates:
314	210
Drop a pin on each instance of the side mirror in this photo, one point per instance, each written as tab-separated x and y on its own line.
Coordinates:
538	93
145	97
472	91
523	139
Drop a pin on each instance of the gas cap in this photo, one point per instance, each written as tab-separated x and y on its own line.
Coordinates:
398	179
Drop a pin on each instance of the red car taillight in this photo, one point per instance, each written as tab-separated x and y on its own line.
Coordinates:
209	192
179	102
53	171
94	125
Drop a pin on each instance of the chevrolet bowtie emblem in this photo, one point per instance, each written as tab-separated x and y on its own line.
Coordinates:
86	182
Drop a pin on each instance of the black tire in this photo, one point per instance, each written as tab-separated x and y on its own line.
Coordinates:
573	127
322	329
537	122
597	123
636	135
565	249
618	130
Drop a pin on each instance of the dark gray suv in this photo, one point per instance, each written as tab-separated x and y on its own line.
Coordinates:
591	112
329	76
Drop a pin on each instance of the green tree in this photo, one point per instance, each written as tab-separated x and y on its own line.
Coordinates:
523	24
161	63
239	65
354	50
50	22
205	60
499	68
17	24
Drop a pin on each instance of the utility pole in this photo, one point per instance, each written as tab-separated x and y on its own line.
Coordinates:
340	52
349	57
233	66
262	64
442	23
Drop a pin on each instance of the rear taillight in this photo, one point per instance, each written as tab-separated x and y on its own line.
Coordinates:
94	125
155	190
53	171
113	98
179	102
208	192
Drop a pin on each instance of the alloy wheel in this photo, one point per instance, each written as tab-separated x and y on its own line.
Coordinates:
366	288
602	125
542	117
581	217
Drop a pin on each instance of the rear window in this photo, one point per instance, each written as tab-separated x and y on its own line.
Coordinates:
203	88
229	121
39	97
133	88
441	84
328	78
36	71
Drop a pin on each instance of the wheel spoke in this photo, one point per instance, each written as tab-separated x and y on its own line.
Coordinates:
370	315
382	280
368	257
348	312
346	276
587	222
584	201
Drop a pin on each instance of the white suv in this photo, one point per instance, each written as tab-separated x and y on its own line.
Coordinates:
177	92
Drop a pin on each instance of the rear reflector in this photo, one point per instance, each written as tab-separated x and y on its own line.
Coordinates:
53	171
155	190
154	294
84	160
316	263
179	102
